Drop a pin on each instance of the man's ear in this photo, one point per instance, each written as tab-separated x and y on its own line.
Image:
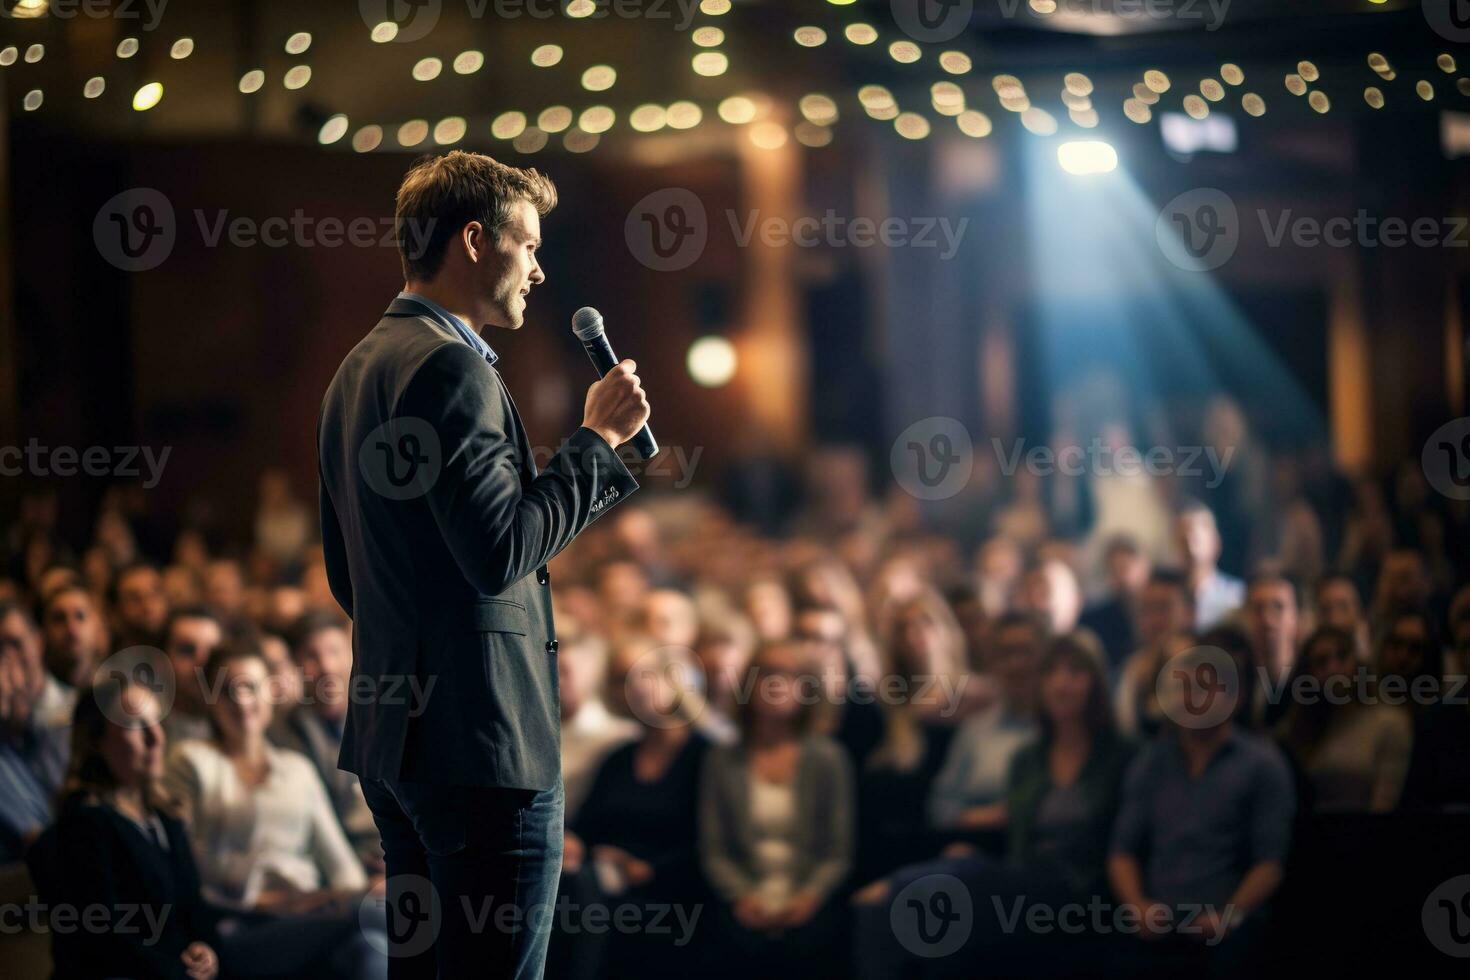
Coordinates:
472	237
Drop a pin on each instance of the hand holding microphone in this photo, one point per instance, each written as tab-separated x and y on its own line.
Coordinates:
617	407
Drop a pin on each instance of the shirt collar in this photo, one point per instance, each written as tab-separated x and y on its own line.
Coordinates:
459	326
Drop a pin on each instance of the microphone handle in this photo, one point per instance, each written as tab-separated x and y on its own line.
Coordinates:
600	353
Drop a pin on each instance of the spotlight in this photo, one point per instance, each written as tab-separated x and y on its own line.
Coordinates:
711	361
1083	158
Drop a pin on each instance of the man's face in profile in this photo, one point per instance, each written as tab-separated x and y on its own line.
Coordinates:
509	269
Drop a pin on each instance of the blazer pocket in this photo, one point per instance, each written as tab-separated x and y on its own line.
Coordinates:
500	616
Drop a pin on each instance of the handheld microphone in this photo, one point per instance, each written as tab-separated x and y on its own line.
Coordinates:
587	325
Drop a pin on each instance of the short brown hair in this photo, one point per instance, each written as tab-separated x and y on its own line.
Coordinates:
440	195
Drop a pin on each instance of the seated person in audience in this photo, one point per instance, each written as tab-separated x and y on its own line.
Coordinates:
1233	640
1272	620
53	703
767	602
75	634
1113	617
589	731
635	831
895	780
1439	772
826	580
225	592
1403	583
119	845
668	616
1049	589
1201	835
139	606
723	647
1062	795
1336	602
1353	750
267	842
776	826
323	653
189	637
1410	660
1214	594
969	792
33	756
284	684
1165	622
851	716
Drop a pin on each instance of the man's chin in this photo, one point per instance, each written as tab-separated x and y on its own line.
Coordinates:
511	317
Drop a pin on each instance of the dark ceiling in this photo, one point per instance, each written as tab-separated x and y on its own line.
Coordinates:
651	43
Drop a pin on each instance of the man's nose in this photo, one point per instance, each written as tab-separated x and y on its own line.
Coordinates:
537	276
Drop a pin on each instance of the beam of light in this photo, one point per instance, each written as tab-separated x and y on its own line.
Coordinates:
1112	311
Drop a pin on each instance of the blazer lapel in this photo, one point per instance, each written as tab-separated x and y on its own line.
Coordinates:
523	441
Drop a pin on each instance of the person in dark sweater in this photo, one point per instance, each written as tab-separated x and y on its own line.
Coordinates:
633	842
118	846
1063	792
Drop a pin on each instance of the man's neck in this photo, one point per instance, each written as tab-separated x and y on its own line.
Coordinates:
445	297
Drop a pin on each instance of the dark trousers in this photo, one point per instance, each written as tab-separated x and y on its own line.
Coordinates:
472	875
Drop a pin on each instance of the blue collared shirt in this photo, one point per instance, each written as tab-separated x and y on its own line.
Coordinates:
1196	838
454	323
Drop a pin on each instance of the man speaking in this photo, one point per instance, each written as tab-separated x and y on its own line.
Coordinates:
437	529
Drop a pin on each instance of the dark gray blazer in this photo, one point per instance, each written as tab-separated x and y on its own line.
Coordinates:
437	529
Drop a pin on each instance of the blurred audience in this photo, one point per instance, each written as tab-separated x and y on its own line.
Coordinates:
775	743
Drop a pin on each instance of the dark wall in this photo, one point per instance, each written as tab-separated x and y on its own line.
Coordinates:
223	352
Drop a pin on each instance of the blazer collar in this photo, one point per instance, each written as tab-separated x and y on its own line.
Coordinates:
407	306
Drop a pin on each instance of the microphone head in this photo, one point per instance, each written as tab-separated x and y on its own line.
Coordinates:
587	324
